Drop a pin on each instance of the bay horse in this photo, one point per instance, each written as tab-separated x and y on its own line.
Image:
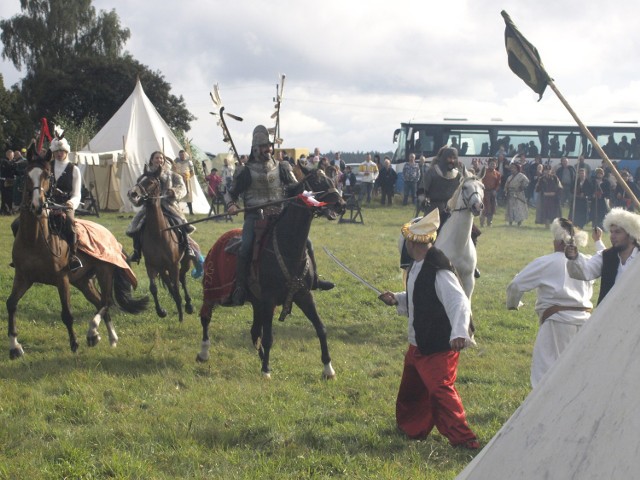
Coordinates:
282	275
40	255
454	238
164	256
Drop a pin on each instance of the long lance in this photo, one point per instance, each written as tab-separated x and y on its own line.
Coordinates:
247	209
350	272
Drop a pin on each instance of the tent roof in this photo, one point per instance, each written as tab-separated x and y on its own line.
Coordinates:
582	420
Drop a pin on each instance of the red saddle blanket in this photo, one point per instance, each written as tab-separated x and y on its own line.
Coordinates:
99	242
220	270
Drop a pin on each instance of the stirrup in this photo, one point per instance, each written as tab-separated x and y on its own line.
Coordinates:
135	257
238	296
74	263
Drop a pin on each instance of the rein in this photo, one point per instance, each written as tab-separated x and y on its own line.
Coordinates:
465	201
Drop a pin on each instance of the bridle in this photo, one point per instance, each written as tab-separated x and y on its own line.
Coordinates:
466	201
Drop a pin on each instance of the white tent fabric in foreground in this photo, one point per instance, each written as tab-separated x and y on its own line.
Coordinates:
115	158
582	421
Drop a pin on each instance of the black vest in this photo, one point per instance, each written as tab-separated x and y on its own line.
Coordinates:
610	262
61	188
430	321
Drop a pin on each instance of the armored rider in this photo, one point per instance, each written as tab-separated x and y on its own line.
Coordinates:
261	180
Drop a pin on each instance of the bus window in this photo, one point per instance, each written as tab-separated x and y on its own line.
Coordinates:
424	144
617	145
520	141
564	144
472	142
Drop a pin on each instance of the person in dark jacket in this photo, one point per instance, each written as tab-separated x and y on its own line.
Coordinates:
439	327
386	181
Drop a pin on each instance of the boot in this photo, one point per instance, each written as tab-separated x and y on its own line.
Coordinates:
198	269
240	293
136	256
317	284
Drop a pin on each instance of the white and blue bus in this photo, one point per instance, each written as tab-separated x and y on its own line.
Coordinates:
620	140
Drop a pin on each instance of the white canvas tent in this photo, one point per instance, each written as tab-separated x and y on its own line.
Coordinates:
115	158
583	418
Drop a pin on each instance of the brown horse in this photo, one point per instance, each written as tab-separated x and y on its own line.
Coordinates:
40	255
164	255
284	272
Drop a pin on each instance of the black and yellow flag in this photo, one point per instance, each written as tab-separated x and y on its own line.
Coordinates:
524	59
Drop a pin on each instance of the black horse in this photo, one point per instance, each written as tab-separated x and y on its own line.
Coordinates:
283	274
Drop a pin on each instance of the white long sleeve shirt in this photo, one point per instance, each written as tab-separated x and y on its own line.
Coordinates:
450	294
76	190
591	268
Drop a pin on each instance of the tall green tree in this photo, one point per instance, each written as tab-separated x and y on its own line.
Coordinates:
75	67
49	31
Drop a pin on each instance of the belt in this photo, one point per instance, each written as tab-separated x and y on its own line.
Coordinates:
559	308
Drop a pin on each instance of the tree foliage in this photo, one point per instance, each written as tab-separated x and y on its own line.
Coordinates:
49	31
75	65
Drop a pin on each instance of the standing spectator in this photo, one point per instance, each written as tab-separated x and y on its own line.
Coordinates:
7	177
550	190
563	305
227	173
376	188
491	181
183	166
323	164
20	170
410	177
517	209
338	162
369	171
601	195
348	181
585	165
213	181
584	193
567	175
386	181
439	321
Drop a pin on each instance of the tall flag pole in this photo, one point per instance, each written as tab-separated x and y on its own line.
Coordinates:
524	61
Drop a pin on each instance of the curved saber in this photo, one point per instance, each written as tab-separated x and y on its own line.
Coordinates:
350	272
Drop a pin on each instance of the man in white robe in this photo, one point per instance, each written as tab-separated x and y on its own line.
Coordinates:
563	304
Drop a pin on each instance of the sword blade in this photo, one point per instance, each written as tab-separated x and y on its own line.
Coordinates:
349	271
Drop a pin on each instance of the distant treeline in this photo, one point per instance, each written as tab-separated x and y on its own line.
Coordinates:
356	157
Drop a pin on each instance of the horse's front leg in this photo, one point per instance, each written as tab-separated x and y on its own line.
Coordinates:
307	304
205	320
153	288
20	287
64	292
263	316
171	279
184	268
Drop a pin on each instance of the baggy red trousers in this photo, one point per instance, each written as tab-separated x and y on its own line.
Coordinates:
428	397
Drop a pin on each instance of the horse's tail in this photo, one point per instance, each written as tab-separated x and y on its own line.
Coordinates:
123	289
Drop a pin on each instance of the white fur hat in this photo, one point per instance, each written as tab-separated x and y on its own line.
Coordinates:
561	230
629	222
60	144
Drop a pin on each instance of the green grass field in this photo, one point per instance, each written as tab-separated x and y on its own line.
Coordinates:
146	409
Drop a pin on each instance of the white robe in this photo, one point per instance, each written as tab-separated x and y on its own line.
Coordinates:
549	275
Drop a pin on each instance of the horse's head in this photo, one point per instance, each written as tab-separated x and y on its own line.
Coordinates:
469	195
315	180
37	183
147	187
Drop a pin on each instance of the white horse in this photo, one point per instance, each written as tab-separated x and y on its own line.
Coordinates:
454	238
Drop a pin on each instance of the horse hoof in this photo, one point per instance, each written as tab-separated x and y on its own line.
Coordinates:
328	376
16	353
161	313
266	375
199	359
93	341
188	308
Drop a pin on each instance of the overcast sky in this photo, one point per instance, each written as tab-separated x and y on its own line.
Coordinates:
356	69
